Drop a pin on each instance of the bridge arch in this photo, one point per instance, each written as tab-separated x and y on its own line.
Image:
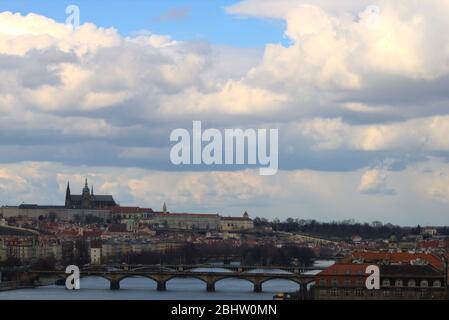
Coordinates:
231	276
151	280
297	281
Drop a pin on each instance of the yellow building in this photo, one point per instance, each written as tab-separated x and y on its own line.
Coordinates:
236	223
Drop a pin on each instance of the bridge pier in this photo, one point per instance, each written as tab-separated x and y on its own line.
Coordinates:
258	287
303	293
210	287
114	284
161	286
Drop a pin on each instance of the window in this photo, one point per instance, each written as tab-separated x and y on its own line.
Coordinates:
398	283
424	283
347	282
411	283
386	283
334	282
358	292
322	282
334	292
437	284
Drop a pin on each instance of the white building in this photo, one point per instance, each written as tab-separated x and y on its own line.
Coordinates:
95	254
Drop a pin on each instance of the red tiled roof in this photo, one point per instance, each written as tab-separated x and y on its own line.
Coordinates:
236	218
396	257
345	269
117	228
429	244
92	233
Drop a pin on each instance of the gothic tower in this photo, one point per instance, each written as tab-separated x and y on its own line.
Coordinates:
67	195
86	197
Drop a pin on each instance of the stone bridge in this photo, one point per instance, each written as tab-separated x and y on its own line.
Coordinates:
161	275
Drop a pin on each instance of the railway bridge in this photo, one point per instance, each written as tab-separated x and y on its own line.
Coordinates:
161	275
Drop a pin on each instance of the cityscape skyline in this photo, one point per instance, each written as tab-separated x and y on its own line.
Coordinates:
356	90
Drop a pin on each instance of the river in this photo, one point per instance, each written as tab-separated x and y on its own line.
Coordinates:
137	288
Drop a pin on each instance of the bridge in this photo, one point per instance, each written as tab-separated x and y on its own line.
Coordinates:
257	275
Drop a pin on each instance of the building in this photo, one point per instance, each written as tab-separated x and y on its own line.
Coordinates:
87	199
48	249
394	258
18	243
131	213
346	281
236	223
95	253
186	221
429	231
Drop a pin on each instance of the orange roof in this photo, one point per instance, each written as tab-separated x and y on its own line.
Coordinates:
345	269
395	257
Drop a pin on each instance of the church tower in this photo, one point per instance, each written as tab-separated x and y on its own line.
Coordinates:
85	196
67	195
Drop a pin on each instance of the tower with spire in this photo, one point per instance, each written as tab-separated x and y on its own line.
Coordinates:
67	195
87	199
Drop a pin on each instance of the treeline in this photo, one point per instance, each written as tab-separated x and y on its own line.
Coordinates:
344	229
246	255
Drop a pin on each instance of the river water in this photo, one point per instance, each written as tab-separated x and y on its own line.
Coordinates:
137	288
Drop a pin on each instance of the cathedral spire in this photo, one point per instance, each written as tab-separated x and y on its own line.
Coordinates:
86	190
164	208
67	192
92	190
67	195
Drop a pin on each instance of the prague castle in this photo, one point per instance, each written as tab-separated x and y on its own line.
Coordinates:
87	199
104	206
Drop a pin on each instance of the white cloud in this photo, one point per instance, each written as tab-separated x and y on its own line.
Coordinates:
412	135
374	182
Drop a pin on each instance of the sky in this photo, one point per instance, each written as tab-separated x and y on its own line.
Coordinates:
357	90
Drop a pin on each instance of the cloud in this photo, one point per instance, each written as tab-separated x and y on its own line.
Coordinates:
374	182
428	134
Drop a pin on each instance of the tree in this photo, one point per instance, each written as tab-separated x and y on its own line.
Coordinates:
44	264
11	262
